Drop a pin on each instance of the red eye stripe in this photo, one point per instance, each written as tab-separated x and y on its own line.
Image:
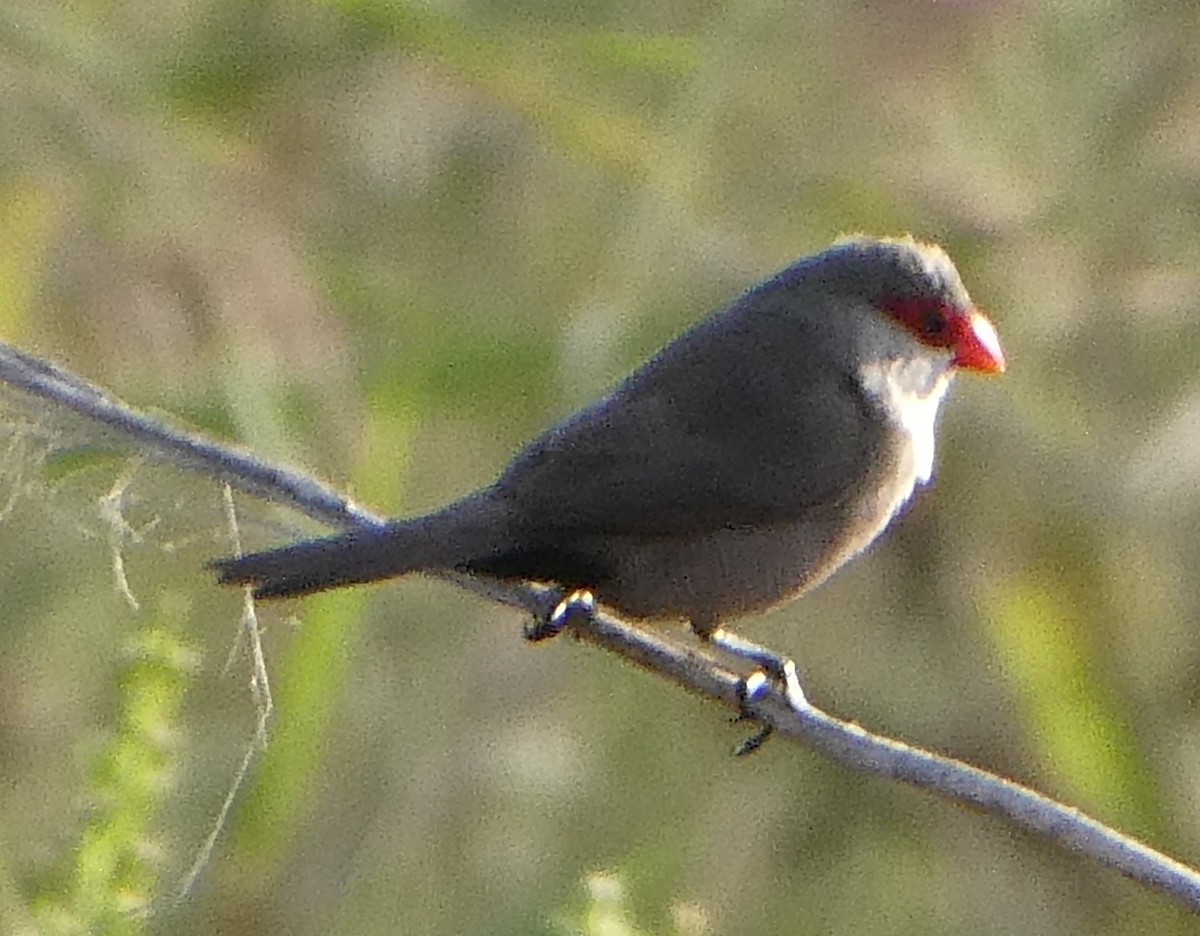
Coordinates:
966	332
931	321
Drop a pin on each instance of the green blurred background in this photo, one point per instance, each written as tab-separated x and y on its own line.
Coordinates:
388	242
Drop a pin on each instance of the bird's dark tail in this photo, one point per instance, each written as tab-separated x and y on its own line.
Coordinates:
360	555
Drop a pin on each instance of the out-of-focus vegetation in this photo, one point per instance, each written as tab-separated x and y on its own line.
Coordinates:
389	242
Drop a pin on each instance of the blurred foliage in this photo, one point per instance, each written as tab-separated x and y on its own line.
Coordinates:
114	874
389	241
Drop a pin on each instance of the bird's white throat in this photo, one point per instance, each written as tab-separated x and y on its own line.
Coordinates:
910	392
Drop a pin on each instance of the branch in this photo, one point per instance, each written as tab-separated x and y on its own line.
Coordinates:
692	669
239	470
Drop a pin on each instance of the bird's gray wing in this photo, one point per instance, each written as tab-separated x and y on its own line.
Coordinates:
741	440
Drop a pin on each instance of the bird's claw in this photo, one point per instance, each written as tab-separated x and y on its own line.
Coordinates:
578	605
771	666
754	742
773	669
749	690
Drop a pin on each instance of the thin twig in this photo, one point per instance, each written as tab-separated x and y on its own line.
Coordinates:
696	671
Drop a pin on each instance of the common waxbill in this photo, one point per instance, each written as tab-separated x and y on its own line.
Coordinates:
743	464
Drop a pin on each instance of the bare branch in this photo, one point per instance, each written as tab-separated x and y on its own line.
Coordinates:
692	669
241	471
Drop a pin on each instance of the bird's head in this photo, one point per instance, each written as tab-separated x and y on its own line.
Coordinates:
918	287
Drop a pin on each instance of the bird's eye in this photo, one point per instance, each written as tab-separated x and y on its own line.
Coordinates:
934	324
929	321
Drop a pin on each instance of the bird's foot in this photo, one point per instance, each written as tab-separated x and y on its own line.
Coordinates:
578	605
756	740
753	688
772	668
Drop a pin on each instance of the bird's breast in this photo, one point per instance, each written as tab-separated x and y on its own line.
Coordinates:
909	393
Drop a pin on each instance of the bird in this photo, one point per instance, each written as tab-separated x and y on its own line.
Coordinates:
743	464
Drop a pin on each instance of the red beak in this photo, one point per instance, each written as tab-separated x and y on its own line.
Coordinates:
977	346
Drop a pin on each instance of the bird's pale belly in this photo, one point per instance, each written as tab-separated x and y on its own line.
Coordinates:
720	575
